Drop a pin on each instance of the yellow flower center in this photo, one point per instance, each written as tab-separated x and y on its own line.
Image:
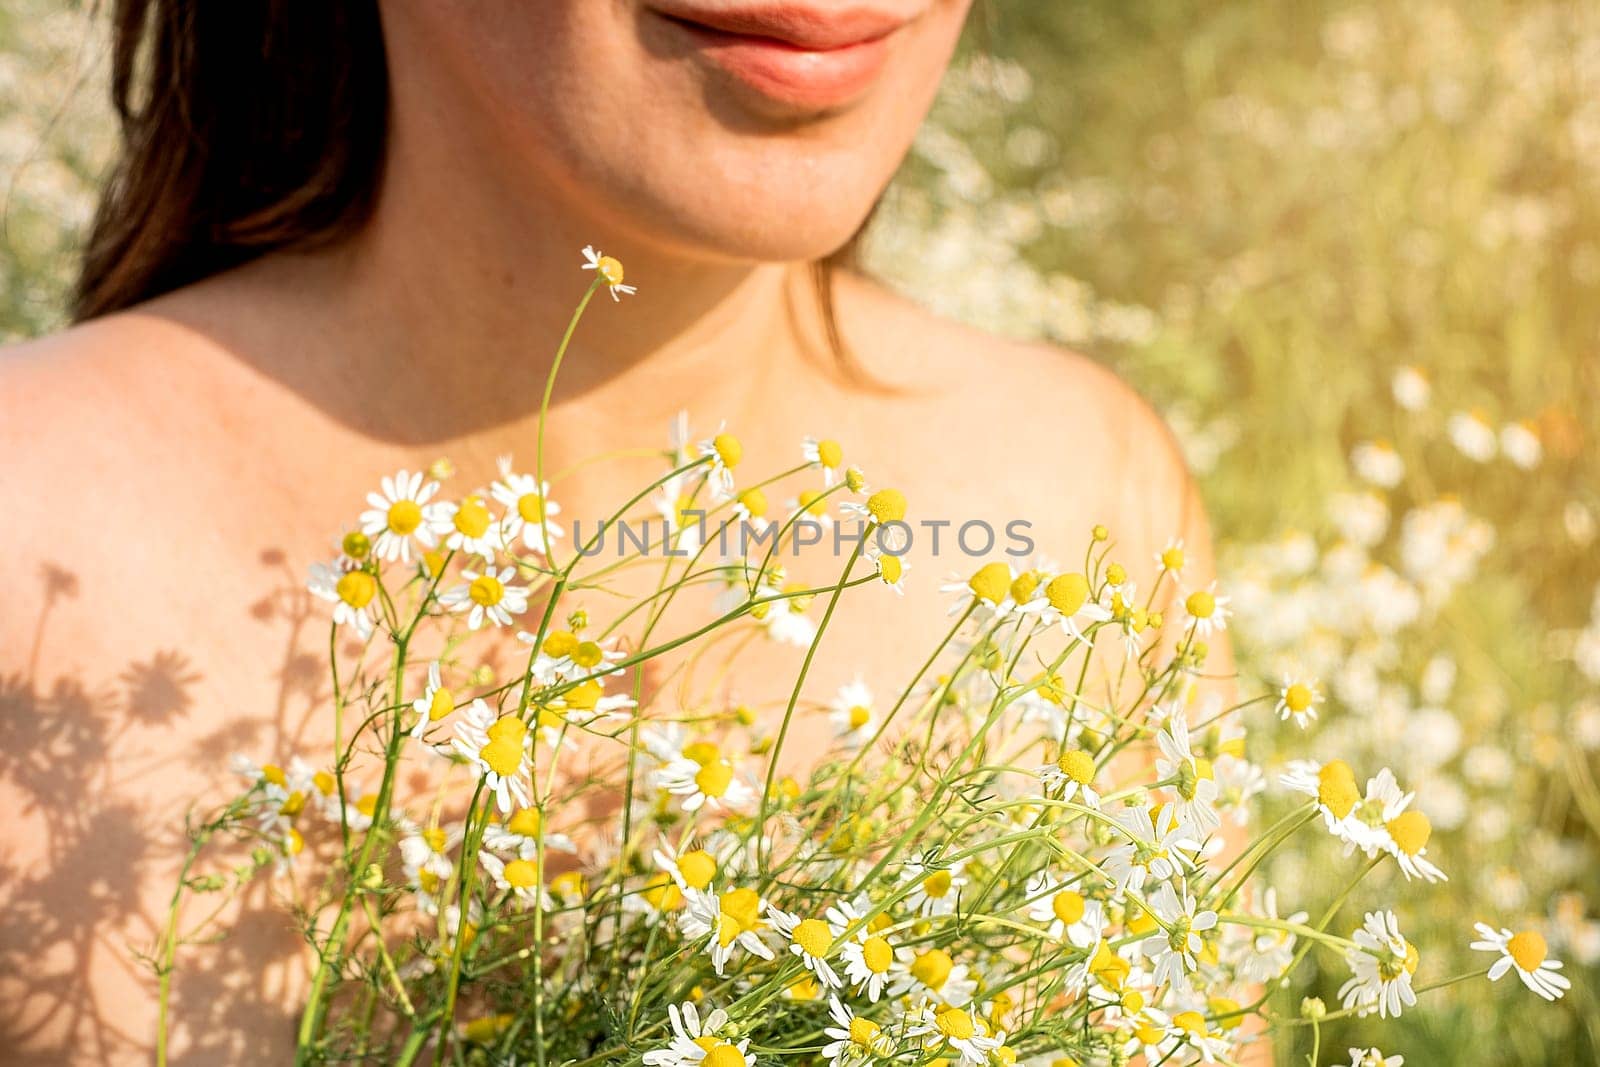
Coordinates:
486	590
585	696
887	505
610	270
1410	830
559	644
992	582
1148	1033
662	893
890	568
724	1055
484	1030
877	955
356	544
855	479
404	516
1191	1022
932	968
1336	788
1077	765
1067	593
937	884
525	823
434	837
812	502
1200	604
955	1024
325	783
1022	589
531	507
293	843
367	803
1528	950
293	804
697	868
728	449
702	752
274	774
472	518
714	778
440	704
739	912
1110	969
503	753
588	654
813	937
1116	574
1067	906
1132	1002
1297	698
1172	559
859	716
357	588
1226	1011
863	1032
830	454
754	501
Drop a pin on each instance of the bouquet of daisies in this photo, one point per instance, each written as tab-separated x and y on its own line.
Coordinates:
1038	850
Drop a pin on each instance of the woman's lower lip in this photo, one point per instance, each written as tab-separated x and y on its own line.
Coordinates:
811	79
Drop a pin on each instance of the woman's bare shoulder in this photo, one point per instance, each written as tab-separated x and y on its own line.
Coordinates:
1053	413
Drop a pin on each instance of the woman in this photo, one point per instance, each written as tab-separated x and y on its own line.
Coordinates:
341	241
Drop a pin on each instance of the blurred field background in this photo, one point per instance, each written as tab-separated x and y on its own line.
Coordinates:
1353	251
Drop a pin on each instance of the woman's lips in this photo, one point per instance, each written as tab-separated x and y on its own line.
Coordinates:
807	57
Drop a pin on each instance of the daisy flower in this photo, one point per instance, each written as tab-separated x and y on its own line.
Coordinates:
1196	784
884	512
1190	1028
488	598
709	781
1171	559
521	833
399	515
725	452
1074	772
1175	956
868	956
891	569
1206	610
529	509
1157	850
826	454
695	1042
1069	916
935	891
499	746
350	592
853	1039
1066	602
851	713
690	868
520	876
1381	964
1372	1057
468	527
428	849
435	703
731	920
1405	830
948	1025
811	940
1528	955
991	585
1298	700
609	271
932	974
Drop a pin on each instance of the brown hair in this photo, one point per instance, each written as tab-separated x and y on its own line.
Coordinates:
249	126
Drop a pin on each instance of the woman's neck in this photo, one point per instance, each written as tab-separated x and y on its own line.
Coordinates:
437	322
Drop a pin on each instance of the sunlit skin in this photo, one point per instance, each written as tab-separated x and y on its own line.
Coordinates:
171	471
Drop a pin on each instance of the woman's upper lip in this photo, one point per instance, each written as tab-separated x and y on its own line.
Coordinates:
811	27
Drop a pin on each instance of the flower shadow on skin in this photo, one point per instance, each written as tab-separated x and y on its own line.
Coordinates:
77	908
